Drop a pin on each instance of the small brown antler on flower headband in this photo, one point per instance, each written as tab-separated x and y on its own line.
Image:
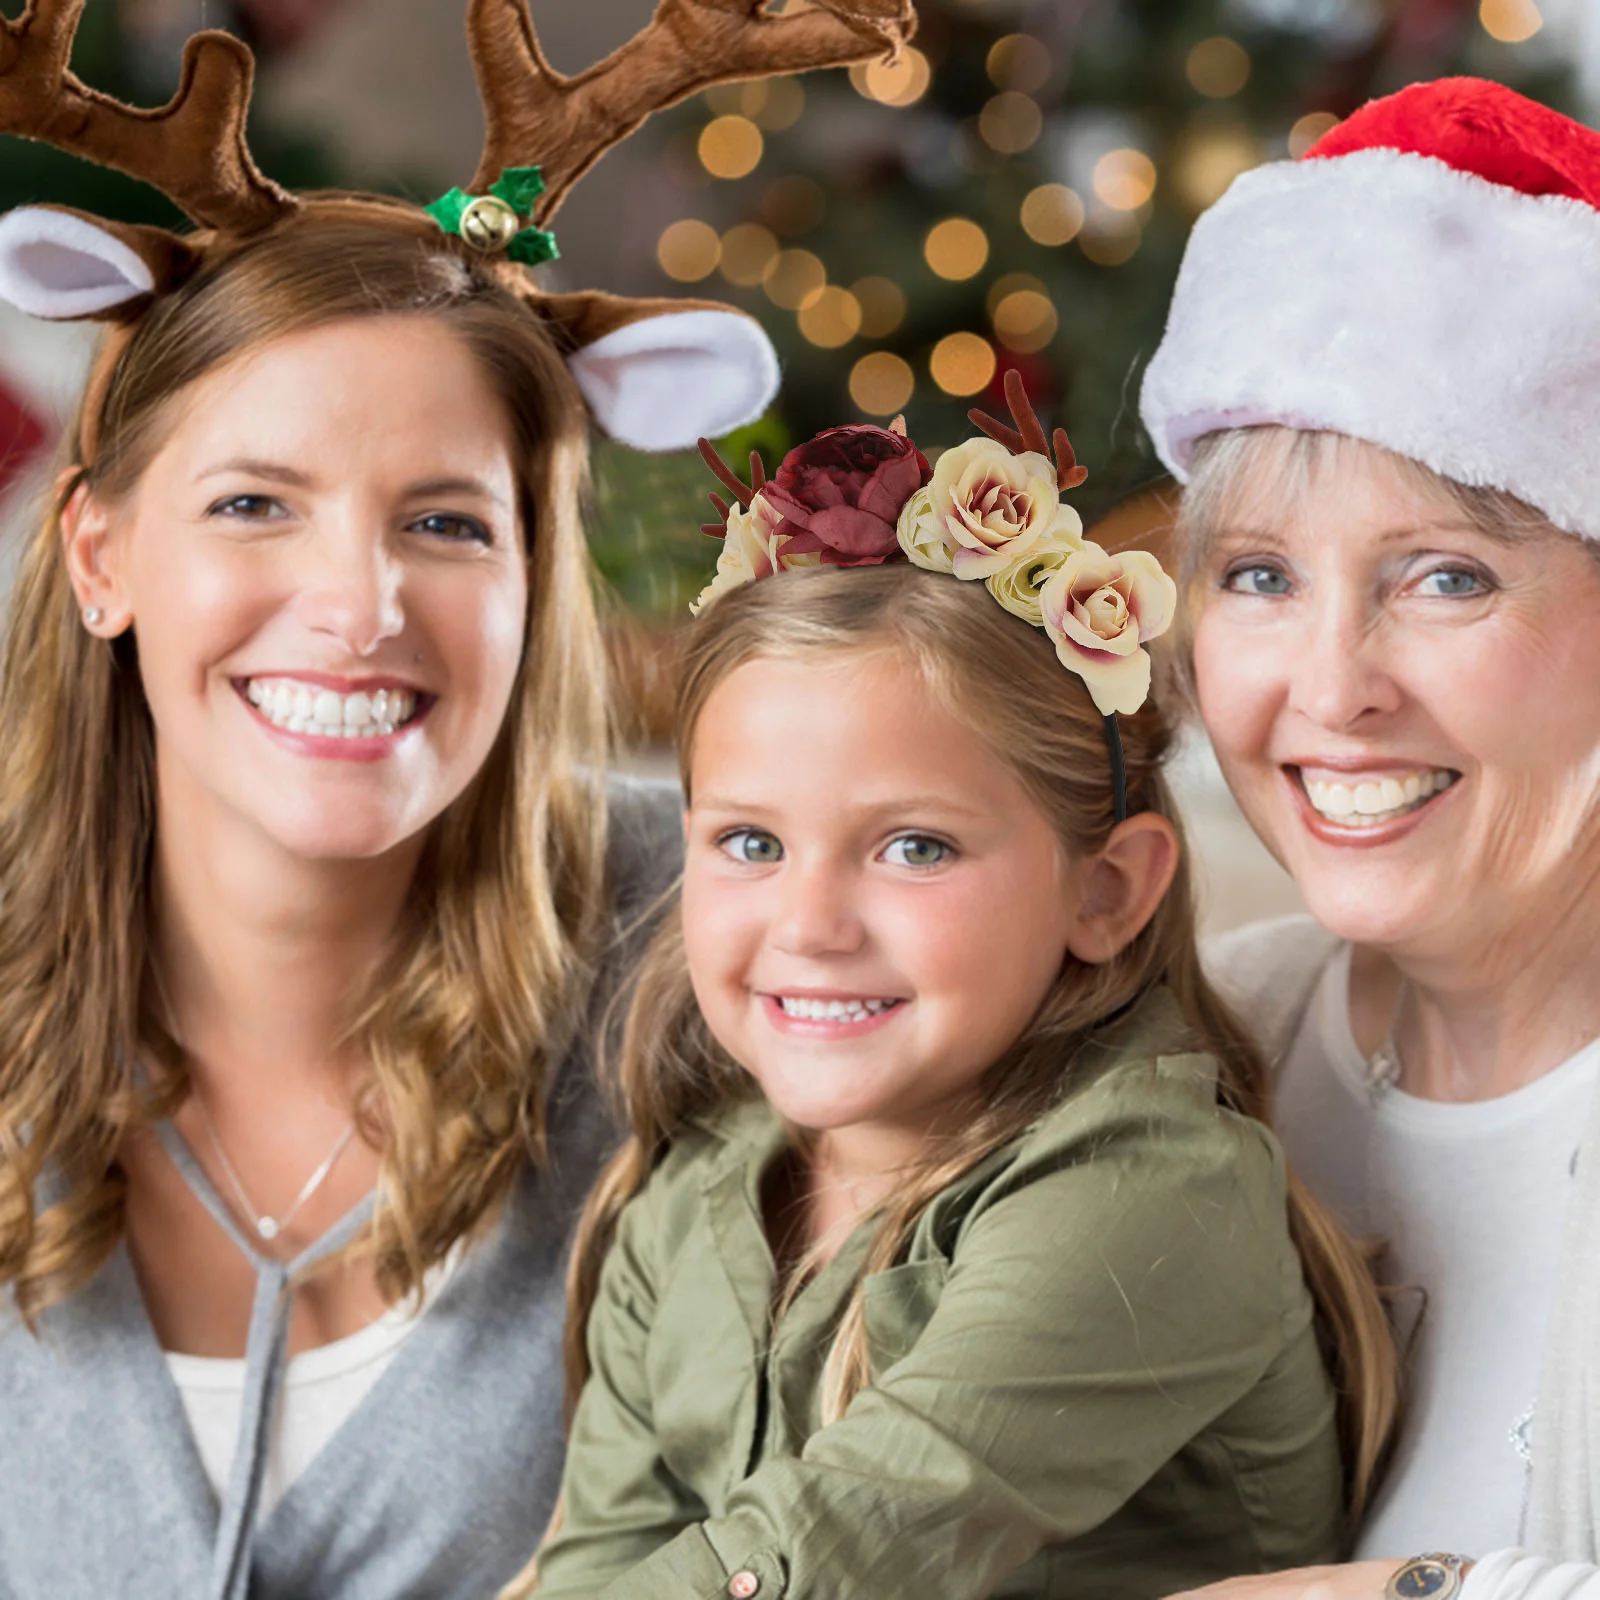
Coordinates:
1029	433
192	149
743	493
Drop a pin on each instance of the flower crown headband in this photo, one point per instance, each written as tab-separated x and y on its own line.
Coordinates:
991	510
654	373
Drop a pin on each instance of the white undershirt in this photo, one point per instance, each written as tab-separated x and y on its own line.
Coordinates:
1472	1199
321	1389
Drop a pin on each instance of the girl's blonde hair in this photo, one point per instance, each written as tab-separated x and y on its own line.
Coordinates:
478	993
1002	678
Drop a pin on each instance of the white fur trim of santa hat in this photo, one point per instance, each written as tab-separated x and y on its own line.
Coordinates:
1389	296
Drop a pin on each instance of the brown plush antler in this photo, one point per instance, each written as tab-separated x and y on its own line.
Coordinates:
533	114
1029	433
192	149
743	493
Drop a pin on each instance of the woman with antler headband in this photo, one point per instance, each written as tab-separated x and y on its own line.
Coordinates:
305	869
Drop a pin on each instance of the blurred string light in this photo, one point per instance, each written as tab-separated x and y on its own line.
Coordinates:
830	319
773	104
747	252
1510	21
1209	158
793	278
882	383
1218	67
793	205
1052	214
1024	319
1110	238
689	250
1124	179
1019	62
883	305
963	363
730	146
956	248
901	82
1010	122
1308	130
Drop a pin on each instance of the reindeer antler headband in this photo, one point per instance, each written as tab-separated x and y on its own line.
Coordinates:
656	373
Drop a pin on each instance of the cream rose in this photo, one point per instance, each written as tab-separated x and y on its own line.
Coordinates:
1099	610
750	550
984	510
1017	588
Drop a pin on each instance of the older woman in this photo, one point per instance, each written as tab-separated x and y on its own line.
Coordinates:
1381	382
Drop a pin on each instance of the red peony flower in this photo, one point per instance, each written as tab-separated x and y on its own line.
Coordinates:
840	495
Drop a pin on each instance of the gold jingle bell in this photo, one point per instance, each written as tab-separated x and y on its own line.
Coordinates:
489	224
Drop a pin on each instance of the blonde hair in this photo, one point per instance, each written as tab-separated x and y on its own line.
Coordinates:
478	994
1002	678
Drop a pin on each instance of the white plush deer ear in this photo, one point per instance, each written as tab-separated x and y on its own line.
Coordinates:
666	380
63	265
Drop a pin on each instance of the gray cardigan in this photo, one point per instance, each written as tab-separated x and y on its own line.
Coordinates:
438	1485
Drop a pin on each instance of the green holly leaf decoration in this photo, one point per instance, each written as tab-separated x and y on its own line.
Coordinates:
447	210
533	246
519	187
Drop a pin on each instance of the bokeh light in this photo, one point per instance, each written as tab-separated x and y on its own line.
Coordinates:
1011	283
883	305
689	250
1025	320
901	82
956	248
1510	21
730	146
782	106
793	277
1124	179
831	318
747	252
1218	67
1052	214
1010	122
1308	130
1020	62
1111	238
1209	159
882	383
963	363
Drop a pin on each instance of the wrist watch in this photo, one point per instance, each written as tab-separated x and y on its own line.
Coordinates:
1435	1576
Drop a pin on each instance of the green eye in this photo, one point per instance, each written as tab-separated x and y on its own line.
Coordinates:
917	850
752	846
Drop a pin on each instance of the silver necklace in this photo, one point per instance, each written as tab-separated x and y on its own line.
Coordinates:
268	1228
1383	1065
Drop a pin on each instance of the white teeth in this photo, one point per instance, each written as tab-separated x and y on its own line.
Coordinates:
832	1010
302	708
1377	800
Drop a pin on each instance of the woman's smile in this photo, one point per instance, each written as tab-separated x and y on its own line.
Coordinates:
318	715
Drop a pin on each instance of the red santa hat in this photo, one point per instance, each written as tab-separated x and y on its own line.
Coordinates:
1425	277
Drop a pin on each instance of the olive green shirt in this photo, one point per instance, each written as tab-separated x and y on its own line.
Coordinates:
1094	1374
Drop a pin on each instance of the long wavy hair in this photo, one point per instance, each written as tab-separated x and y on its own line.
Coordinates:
1002	678
478	992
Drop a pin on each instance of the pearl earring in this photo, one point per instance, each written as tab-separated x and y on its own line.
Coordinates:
92	616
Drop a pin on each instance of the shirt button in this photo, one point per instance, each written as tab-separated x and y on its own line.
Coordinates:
743	1585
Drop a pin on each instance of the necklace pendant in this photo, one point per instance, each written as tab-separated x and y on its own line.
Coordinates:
266	1227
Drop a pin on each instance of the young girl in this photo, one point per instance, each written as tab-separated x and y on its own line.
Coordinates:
948	1256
